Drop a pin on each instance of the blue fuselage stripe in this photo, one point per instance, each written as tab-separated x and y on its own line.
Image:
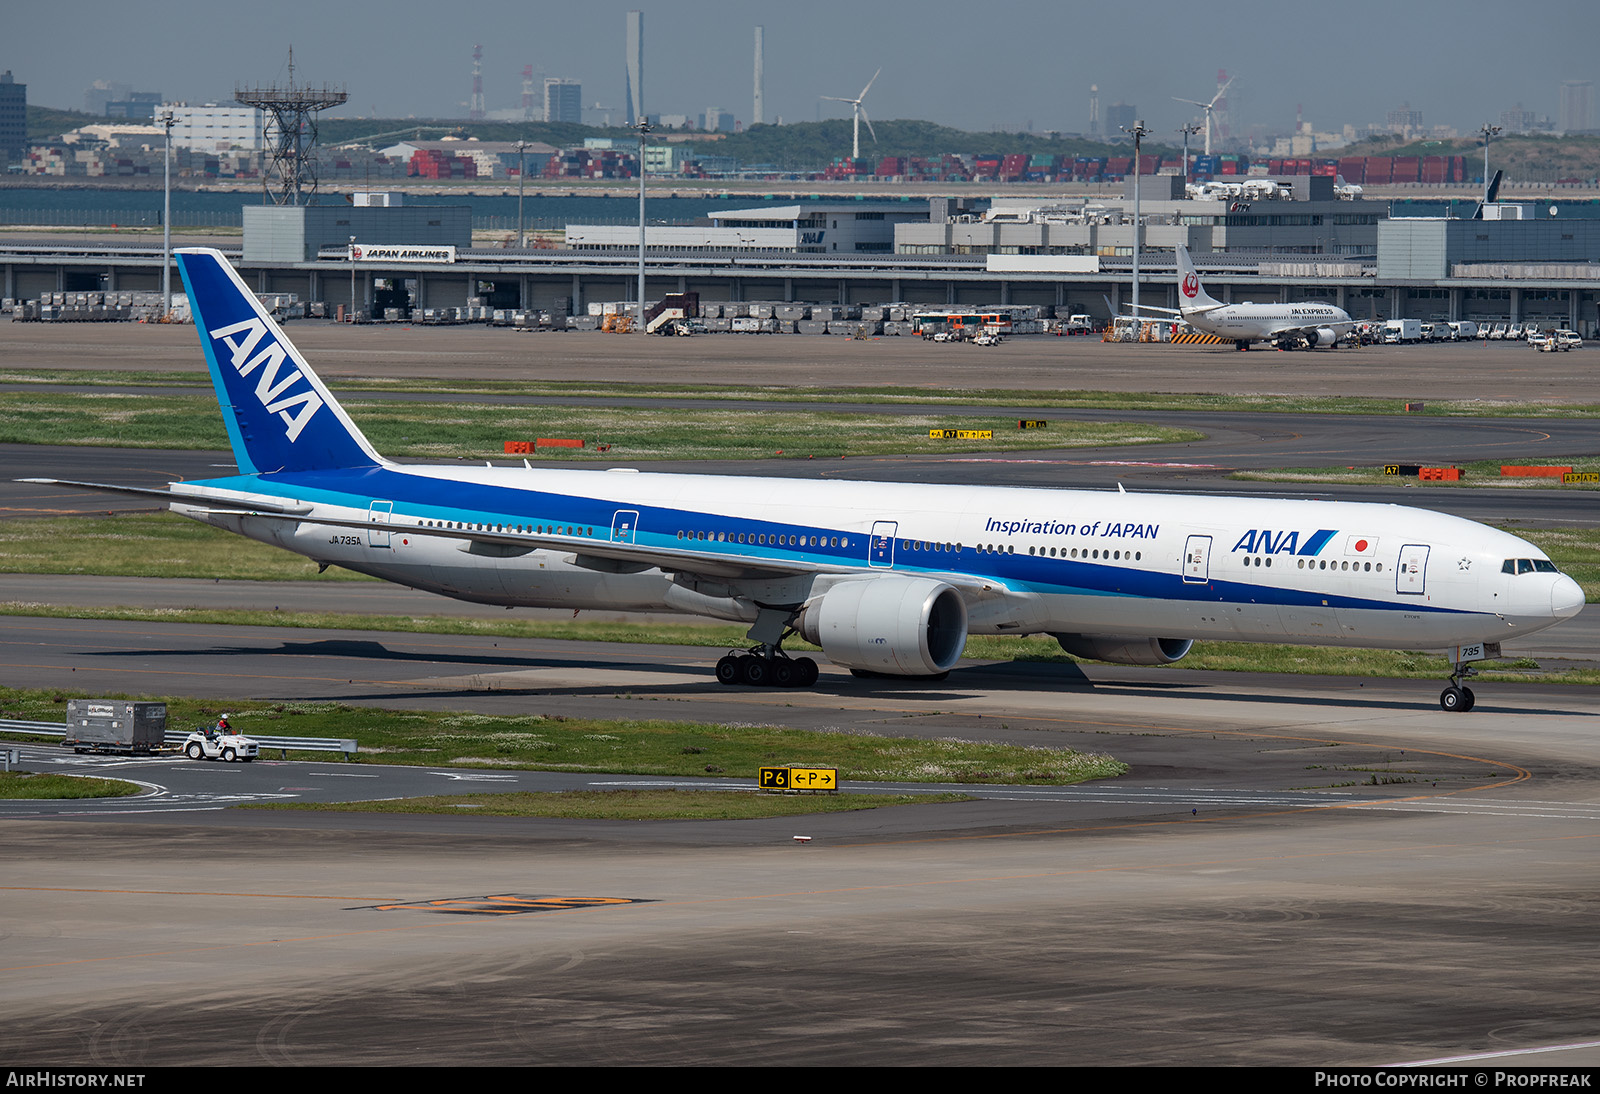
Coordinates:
420	497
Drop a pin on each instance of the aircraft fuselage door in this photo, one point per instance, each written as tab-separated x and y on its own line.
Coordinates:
624	525
880	548
1411	575
379	512
1197	559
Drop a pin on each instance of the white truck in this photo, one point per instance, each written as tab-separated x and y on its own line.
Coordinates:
1402	330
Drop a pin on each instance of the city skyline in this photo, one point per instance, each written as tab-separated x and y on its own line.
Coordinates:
1445	60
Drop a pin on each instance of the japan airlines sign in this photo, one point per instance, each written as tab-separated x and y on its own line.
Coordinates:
366	252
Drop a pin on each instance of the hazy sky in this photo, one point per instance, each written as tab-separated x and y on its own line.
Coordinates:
998	64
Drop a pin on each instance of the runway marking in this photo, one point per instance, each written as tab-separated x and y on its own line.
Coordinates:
505	904
1495	1055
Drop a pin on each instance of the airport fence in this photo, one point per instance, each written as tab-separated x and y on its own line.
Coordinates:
119	218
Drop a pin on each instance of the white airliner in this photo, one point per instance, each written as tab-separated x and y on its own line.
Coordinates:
886	578
1287	326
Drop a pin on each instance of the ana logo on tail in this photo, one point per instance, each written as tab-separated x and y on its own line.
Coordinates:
269	390
1191	284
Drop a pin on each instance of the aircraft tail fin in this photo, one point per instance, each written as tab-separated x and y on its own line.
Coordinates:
280	416
1191	294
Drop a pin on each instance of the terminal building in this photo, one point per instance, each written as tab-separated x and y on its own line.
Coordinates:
1520	263
812	228
1294	215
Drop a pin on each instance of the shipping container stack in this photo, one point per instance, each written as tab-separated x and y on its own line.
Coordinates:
592	163
987	167
430	163
847	168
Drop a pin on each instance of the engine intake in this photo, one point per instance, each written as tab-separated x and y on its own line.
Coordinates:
1125	651
902	626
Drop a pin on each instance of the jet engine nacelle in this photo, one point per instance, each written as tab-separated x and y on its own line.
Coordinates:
1325	336
1125	651
901	626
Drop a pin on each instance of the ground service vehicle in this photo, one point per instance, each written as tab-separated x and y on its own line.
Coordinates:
211	744
115	725
1396	331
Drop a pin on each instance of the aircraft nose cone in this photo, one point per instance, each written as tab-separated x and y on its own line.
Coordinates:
1566	598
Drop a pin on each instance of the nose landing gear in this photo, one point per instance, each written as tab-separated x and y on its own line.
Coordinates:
1458	697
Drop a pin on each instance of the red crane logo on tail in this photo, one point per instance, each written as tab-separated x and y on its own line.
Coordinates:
1191	285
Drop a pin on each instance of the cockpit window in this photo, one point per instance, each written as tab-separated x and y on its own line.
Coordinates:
1528	566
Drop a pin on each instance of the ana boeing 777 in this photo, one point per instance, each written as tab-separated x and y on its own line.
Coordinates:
887	578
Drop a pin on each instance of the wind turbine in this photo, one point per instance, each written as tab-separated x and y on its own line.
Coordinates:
860	115
1209	107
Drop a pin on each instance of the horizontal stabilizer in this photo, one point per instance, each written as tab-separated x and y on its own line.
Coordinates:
172	495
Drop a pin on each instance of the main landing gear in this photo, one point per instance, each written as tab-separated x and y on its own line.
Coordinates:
1458	697
766	666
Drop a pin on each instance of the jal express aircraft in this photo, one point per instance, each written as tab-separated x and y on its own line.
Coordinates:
886	578
1287	326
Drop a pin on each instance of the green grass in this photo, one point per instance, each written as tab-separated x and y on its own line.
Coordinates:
444	430
149	545
533	391
633	747
25	785
630	804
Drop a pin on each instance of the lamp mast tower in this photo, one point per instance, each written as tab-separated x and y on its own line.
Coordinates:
292	172
759	116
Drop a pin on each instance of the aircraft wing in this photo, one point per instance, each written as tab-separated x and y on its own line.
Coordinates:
599	554
1306	329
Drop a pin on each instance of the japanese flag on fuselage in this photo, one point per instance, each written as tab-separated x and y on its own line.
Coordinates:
1361	545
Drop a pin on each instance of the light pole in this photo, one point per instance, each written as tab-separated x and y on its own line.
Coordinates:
1188	131
352	279
522	173
643	127
1137	133
1488	132
166	219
